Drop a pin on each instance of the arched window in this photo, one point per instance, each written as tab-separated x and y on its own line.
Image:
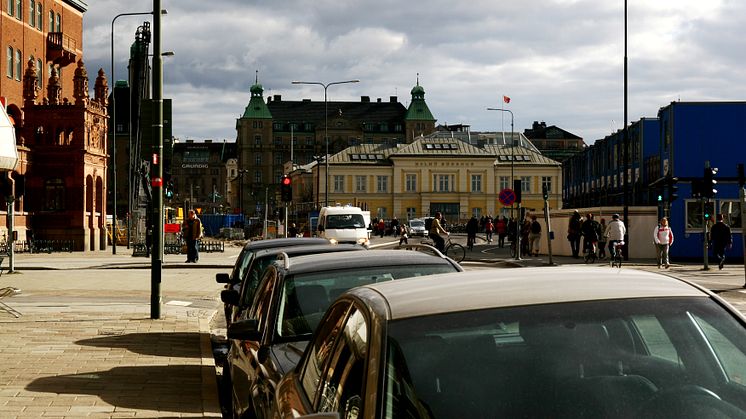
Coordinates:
19	64
38	73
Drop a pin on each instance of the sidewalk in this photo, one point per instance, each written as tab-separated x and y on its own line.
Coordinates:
85	345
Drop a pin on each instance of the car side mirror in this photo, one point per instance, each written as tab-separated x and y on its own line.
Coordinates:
245	330
222	278
230	296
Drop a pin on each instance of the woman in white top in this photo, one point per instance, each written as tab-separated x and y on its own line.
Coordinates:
663	237
615	232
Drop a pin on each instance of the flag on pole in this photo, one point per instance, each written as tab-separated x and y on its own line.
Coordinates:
506	99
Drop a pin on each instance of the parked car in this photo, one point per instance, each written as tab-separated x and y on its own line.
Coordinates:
240	299
535	342
233	280
291	299
417	227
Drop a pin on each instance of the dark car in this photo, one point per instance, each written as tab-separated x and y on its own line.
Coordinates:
240	297
536	342
233	280
292	297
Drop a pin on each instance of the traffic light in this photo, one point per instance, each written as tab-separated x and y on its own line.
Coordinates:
708	183
286	189
673	189
709	210
517	190
169	190
545	192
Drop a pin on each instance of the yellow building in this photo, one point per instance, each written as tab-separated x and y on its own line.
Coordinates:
457	173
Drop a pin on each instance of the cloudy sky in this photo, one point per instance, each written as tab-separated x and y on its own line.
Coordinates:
560	61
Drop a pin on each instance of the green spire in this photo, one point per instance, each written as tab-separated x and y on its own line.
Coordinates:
418	110
257	109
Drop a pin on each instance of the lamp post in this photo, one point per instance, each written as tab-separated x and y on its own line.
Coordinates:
512	159
156	266
114	124
326	128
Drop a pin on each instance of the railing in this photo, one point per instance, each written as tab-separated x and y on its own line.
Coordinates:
39	246
60	41
179	247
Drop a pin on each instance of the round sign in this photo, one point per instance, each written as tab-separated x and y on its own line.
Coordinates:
507	196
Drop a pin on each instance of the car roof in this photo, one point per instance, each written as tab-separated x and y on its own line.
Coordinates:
284	242
309	249
346	260
474	290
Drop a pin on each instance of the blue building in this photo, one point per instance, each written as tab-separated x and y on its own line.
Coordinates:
676	144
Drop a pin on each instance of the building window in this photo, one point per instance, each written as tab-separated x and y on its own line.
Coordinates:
257	159
525	184
382	183
504	182
278	159
39	14
11	7
257	140
257	176
476	183
9	62
32	13
411	213
360	184
731	211
476	212
19	64
59	23
546	184
411	183
38	73
51	21
54	195
381	212
339	183
278	140
19	9
443	183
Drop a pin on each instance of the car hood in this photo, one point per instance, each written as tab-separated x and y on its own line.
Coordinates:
287	355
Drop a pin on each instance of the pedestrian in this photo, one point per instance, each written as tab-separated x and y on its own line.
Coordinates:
381	227
512	227
292	231
573	234
663	237
404	238
471	232
602	240
436	232
591	231
395	227
721	239
525	231
534	237
192	230
489	228
501	227
615	232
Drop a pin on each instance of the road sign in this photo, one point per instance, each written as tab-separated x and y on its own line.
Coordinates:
507	196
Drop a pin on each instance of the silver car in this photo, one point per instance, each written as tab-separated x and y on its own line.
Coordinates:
416	227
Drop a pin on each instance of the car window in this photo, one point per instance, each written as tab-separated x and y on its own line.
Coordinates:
241	264
251	281
260	309
320	350
305	296
345	221
614	358
732	359
342	384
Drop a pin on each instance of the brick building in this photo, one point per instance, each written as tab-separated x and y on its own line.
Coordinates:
58	187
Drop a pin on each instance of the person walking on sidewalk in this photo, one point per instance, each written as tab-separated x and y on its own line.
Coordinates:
471	232
602	240
721	239
663	237
192	233
534	237
615	233
501	226
573	234
489	228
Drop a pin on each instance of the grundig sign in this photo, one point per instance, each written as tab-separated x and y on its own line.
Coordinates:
194	166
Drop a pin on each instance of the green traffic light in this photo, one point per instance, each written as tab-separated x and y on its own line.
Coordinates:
660	198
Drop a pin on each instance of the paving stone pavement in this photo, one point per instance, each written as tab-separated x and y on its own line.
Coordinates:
85	345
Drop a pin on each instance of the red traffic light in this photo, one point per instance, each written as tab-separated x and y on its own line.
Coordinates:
285	180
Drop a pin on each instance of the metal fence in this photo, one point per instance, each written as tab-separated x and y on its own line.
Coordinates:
39	246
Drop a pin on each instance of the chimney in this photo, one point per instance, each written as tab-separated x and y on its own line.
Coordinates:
278	98
393	99
365	99
535	125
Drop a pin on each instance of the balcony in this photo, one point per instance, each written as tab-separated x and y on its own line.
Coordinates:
61	49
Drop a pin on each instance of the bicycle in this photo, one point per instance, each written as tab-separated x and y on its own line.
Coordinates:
454	250
590	253
616	257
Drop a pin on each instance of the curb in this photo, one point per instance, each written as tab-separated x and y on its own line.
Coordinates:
210	397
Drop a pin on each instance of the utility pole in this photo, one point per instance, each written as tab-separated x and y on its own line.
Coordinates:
156	267
742	196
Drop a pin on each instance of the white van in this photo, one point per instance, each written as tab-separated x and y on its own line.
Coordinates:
344	225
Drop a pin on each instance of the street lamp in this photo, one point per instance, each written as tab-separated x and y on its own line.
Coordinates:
512	159
114	122
326	127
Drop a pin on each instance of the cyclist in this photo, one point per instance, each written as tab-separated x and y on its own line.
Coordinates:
437	231
591	231
615	232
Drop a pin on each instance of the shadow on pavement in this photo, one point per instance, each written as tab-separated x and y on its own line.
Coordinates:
172	388
165	344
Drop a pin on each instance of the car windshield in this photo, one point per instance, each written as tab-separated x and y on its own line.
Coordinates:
305	297
345	221
656	357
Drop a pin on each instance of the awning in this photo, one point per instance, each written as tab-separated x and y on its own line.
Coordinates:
8	151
